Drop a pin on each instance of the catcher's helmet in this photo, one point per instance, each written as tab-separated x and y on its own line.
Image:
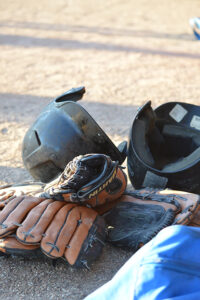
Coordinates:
62	131
164	147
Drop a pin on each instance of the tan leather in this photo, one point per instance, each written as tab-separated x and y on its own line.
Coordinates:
105	196
37	221
102	194
14	213
87	217
102	209
9	243
186	206
60	229
9	192
108	186
5	197
67	232
189	207
128	198
189	203
195	220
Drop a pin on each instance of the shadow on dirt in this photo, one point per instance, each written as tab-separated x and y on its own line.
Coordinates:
28	42
103	113
98	30
13	175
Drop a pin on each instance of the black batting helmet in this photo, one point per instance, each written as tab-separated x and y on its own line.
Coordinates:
62	131
164	147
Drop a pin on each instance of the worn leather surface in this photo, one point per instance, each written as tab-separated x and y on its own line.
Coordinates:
58	228
92	179
14	212
139	215
11	191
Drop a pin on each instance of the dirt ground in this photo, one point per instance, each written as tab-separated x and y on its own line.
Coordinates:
124	53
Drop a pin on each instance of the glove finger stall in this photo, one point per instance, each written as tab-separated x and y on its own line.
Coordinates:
190	205
11	246
59	232
78	237
14	212
8	192
88	239
37	221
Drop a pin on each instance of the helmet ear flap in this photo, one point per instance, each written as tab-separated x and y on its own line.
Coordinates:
164	147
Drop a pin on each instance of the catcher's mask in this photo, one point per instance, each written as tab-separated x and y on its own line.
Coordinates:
164	147
62	131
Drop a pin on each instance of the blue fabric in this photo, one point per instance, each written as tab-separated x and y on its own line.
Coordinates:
168	267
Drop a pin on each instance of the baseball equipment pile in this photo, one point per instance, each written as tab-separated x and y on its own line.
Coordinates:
72	216
58	219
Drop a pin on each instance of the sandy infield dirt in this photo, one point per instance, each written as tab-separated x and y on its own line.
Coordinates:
124	53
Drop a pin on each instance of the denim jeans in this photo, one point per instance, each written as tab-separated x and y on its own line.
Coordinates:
168	267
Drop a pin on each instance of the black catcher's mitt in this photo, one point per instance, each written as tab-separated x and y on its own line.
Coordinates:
141	214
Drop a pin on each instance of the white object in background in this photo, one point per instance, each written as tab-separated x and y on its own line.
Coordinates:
195	24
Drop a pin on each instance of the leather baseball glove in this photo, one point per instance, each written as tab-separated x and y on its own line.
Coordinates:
11	191
11	246
139	215
59	229
92	180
